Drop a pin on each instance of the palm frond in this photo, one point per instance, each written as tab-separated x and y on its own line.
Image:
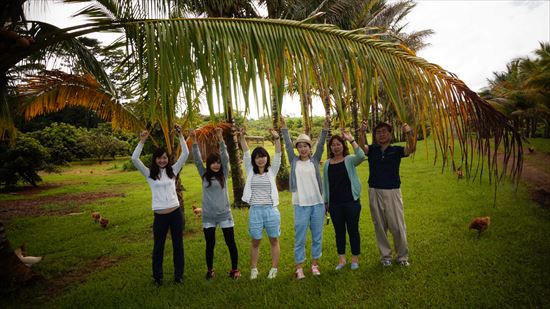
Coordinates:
229	53
53	91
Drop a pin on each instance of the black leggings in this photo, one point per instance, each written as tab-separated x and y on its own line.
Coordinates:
346	216
229	236
161	224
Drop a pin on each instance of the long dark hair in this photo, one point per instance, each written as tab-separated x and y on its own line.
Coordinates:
345	151
260	152
209	174
154	170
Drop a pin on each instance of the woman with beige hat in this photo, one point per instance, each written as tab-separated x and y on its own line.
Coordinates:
306	188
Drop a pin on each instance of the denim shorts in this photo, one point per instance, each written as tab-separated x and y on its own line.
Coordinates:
264	216
223	224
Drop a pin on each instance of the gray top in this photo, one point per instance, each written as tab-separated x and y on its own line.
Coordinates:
215	199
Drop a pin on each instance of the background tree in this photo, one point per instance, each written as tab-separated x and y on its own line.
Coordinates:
21	161
522	92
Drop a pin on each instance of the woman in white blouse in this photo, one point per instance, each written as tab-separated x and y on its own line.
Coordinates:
306	188
161	177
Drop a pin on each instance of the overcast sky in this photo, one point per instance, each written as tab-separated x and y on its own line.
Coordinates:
475	38
472	39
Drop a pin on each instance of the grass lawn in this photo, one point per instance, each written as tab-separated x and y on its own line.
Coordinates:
87	266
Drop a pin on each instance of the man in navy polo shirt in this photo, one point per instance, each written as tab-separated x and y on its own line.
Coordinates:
386	203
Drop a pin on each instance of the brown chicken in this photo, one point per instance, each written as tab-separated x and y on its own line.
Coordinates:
104	222
96	216
459	173
197	210
481	224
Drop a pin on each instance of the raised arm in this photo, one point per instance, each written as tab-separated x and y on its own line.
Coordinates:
276	139
276	164
137	152
184	151
362	137
246	152
322	139
359	153
242	139
288	143
411	141
197	157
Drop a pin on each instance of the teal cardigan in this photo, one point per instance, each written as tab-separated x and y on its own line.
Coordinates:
351	161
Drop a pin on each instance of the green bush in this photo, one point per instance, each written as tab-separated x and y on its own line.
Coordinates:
22	161
62	142
129	166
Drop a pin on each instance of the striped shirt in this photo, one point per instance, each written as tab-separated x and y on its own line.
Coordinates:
261	189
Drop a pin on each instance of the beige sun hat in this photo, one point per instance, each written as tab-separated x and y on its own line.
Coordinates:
303	138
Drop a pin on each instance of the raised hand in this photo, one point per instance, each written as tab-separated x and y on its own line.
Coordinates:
347	136
193	135
219	133
274	133
241	131
364	126
283	122
143	136
177	128
327	123
406	128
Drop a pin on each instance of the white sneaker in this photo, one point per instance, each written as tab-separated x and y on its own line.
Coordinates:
253	273
300	274
272	273
315	270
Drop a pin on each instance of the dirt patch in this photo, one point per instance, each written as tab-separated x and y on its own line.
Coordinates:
58	204
44	290
30	190
535	174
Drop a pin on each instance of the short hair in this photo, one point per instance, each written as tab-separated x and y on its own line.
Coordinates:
260	152
341	140
383	124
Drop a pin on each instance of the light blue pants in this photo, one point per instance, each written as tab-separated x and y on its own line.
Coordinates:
304	216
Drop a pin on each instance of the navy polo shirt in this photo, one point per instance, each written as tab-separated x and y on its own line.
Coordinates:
384	166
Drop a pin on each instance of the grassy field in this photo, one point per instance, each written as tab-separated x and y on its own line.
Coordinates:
87	266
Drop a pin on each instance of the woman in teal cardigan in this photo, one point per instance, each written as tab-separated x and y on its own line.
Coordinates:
342	189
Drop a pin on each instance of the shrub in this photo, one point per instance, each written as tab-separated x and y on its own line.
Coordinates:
22	161
129	166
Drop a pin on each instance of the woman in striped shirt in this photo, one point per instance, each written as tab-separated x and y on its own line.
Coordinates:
260	192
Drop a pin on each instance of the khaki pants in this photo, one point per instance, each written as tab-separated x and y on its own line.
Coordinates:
386	208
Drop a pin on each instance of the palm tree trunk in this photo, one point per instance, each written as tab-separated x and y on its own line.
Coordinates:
12	270
306	101
234	161
179	193
355	117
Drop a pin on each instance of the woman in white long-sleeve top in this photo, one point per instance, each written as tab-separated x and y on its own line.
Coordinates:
215	203
260	192
161	177
307	198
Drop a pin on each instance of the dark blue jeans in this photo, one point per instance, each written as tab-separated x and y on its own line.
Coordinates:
346	216
161	224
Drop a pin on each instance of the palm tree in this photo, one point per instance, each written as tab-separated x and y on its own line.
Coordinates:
232	53
522	92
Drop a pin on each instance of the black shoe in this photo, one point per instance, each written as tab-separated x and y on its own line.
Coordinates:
210	274
178	280
157	282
